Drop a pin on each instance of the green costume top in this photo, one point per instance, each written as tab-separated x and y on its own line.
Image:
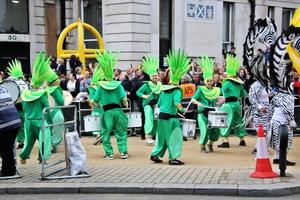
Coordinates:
207	97
109	92
233	89
151	89
57	94
33	109
168	100
92	91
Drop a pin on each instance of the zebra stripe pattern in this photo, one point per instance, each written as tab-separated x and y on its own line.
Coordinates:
265	31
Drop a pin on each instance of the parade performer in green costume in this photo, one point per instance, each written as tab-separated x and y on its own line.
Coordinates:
97	110
16	73
34	101
111	96
169	133
233	90
55	116
205	98
150	92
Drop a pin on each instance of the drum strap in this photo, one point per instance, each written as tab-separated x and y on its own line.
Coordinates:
205	111
19	106
231	99
166	116
111	106
152	103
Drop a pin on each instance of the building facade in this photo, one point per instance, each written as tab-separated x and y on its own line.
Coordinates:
134	28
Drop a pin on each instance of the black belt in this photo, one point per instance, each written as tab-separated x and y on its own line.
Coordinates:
111	106
166	116
205	111
231	99
152	103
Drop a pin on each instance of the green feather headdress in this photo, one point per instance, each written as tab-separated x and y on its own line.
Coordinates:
207	66
15	69
150	65
179	64
40	71
98	75
107	61
52	76
232	65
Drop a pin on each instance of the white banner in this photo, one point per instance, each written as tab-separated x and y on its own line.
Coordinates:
200	10
14	38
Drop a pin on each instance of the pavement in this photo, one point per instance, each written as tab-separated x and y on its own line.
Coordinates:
223	172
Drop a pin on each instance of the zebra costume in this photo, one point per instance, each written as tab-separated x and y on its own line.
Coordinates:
282	110
259	98
282	105
265	32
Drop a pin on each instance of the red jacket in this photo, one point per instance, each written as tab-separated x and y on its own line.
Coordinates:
297	87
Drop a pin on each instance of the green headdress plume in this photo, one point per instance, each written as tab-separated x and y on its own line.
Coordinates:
150	65
97	75
107	61
232	65
207	66
15	69
179	64
52	76
40	71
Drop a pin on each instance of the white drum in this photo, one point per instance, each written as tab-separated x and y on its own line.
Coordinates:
156	112
134	119
217	119
188	127
15	88
92	123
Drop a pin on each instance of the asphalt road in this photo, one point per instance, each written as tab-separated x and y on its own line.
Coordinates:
133	197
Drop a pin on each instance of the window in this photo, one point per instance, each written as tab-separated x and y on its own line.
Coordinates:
227	26
271	12
287	15
14	16
92	14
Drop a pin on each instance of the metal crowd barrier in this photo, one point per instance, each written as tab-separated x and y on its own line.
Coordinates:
68	124
18	174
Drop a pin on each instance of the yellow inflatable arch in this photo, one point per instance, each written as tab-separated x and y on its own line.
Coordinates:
81	52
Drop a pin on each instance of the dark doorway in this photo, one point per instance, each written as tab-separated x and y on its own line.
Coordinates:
165	29
12	50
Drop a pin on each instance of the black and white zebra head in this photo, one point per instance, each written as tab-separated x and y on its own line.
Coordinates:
260	69
268	34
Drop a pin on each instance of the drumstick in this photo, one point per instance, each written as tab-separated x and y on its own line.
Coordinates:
181	115
188	106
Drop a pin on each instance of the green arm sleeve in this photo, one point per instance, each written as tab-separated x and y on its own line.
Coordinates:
122	92
177	97
59	97
96	97
44	101
141	91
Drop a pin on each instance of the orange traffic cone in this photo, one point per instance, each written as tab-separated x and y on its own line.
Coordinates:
263	166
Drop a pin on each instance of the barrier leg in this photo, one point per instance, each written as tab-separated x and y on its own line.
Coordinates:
283	142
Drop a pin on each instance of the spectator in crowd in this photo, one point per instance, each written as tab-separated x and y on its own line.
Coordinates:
129	73
126	83
63	82
117	73
61	67
1	76
216	80
9	127
74	63
73	85
242	74
53	64
232	51
78	74
165	78
196	79
85	82
296	86
222	73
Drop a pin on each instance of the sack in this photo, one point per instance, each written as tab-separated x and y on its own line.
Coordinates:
77	154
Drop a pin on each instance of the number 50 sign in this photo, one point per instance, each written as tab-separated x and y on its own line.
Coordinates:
14	38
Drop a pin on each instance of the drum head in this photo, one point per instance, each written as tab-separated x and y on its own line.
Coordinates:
68	98
12	88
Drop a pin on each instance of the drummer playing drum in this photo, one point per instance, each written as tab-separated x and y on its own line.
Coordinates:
205	98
